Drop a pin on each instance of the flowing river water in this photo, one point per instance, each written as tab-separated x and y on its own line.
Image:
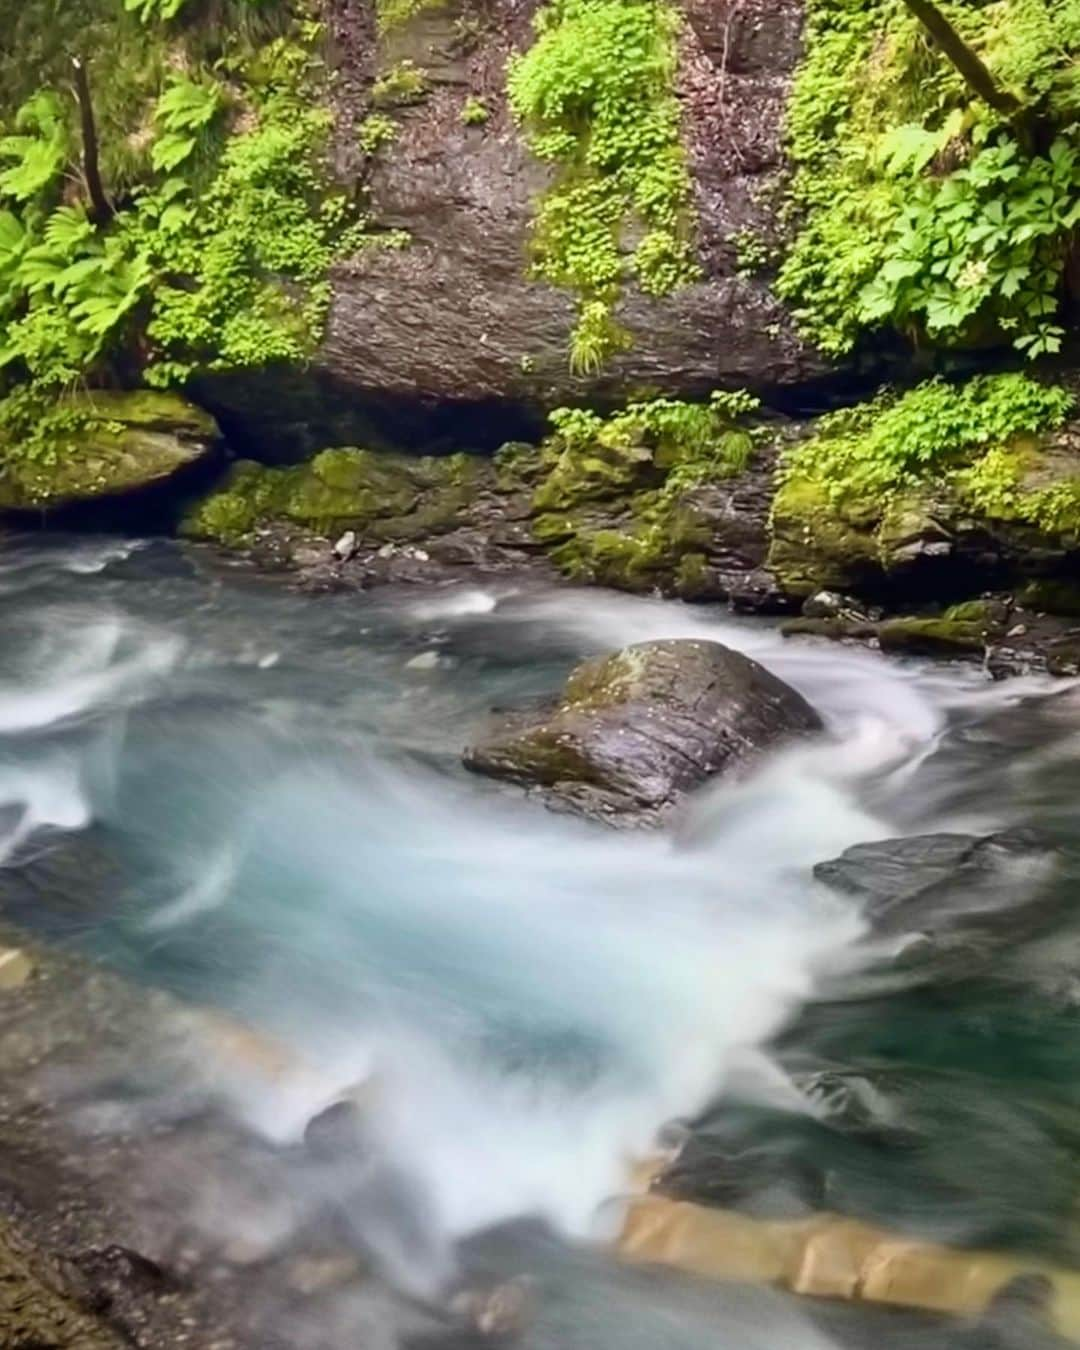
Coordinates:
531	998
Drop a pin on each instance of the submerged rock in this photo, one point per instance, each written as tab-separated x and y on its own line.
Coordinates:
119	443
963	897
634	731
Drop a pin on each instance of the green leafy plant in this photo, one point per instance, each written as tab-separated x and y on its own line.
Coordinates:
474	112
986	247
677	432
648	456
403	83
595	92
921	207
375	133
184	113
154	11
391	14
896	441
216	259
33	158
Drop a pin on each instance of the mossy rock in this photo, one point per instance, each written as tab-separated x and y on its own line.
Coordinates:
1050	596
382	497
932	637
814	546
990	613
112	443
912	527
633	731
604	472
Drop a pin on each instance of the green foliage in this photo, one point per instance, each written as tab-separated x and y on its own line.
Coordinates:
674	429
34	157
161	11
752	253
154	11
997	486
919	207
474	112
403	83
862	453
596	336
595	92
391	14
646	457
218	257
985	246
376	132
184	114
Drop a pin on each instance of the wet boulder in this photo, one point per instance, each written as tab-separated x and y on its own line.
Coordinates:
634	731
950	901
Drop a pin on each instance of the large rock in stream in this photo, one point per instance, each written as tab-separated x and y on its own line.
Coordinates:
634	731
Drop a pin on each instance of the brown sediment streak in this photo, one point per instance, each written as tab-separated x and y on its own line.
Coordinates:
824	1256
828	1256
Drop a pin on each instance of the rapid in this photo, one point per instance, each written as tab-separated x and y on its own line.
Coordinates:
530	999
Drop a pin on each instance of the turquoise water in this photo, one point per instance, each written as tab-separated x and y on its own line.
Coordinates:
271	789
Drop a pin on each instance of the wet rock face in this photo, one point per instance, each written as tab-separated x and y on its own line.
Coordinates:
454	317
633	732
960	897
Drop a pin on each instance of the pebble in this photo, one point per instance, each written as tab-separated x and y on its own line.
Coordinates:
311	1275
15	967
345	546
424	661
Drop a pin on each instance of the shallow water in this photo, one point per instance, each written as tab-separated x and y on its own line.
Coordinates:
276	780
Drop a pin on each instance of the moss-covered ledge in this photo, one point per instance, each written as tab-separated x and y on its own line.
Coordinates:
381	497
106	444
962	485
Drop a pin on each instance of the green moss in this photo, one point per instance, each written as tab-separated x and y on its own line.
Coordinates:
380	496
931	637
876	478
814	545
474	112
229	515
103	444
375	133
402	84
692	575
391	14
642	462
1011	484
596	95
981	612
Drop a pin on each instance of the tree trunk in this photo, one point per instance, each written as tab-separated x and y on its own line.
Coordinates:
101	211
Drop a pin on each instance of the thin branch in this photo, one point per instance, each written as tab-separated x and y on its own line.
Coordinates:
101	208
970	65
